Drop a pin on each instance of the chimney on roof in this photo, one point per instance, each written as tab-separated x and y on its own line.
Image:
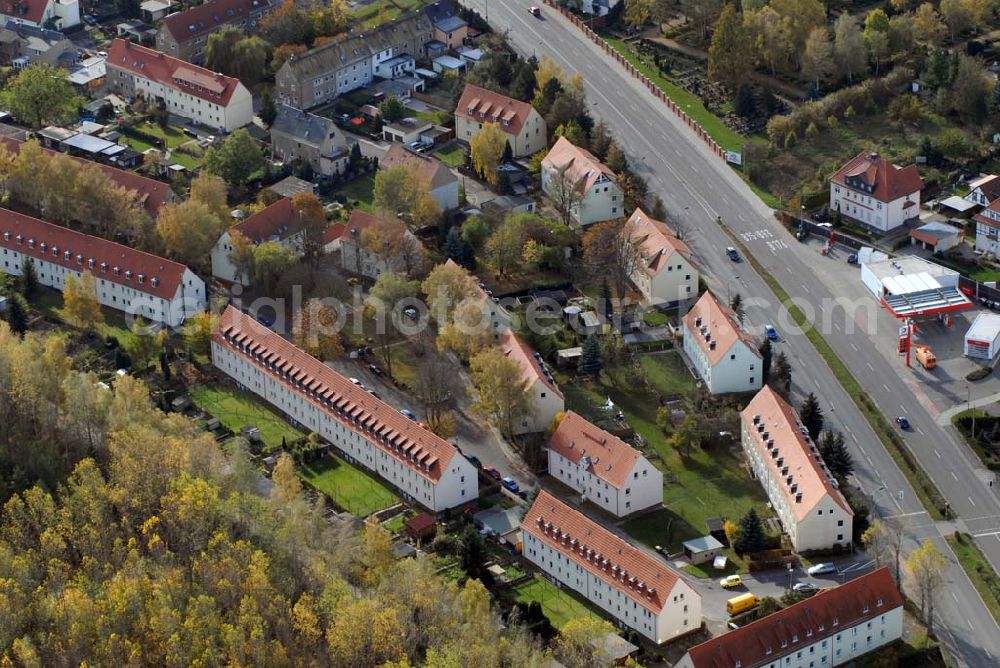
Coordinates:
873	156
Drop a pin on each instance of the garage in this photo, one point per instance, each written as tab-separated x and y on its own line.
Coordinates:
981	341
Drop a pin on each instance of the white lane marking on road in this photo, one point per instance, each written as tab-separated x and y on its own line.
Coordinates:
855	438
971	627
855	348
902	408
740	216
804	288
870	462
917	429
954	597
883	384
937	453
954	476
970	499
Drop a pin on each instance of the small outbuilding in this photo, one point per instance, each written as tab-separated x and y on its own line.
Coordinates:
937	237
423	527
702	549
982	341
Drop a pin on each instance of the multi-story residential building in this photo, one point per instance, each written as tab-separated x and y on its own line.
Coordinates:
573	177
325	72
424	467
187	90
667	274
984	190
786	462
277	222
62	14
494	308
125	279
875	192
724	356
545	399
834	627
316	140
988	228
185	34
521	122
22	45
443	183
604	469
449	28
356	258
152	194
638	591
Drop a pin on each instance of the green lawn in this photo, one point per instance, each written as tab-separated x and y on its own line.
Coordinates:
382	11
558	604
172	138
50	301
709	484
350	488
733	565
359	192
984	578
453	156
395	525
667	373
237	409
689	102
435	117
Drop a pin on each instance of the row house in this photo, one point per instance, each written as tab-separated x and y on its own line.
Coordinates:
277	222
988	228
524	126
667	275
442	182
802	490
312	139
185	34
545	399
325	72
637	590
424	467
572	176
721	352
187	90
57	14
494	309
602	468
834	627
356	258
125	279
876	193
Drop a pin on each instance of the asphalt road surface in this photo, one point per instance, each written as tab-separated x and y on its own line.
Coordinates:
697	188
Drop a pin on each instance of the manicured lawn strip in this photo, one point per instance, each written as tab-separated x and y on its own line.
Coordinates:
359	193
453	157
925	489
559	605
667	373
349	487
237	409
689	102
980	571
382	11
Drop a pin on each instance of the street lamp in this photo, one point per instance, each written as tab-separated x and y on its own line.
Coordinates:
968	400
802	217
790	570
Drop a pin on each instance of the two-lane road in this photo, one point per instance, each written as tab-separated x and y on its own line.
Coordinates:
697	188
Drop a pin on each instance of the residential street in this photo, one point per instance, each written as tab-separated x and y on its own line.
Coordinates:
697	187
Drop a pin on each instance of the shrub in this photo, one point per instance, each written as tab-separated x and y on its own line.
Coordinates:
812	130
979	374
791	139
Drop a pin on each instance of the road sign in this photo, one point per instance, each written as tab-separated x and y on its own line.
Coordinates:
734	157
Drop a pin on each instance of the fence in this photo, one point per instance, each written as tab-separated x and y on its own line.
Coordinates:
649	83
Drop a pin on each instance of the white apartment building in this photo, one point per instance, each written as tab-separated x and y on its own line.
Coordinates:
524	126
567	168
988	228
356	258
636	590
984	190
187	90
667	274
544	396
125	279
277	222
834	627
604	469
724	356
875	192
786	462
36	13
425	468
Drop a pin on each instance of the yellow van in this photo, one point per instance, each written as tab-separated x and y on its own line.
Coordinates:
741	603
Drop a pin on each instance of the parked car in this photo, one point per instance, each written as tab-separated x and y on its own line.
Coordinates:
510	484
375	394
90	19
852	258
408	413
731	581
355	381
535	11
491	472
822	569
903	423
733	254
375	370
771	332
805	588
474	461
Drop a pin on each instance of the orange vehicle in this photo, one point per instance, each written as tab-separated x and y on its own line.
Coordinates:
925	356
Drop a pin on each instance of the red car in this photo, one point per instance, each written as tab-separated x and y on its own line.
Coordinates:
491	472
535	11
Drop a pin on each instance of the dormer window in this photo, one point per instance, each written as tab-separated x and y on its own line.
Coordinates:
19	239
31	243
79	259
55	251
154	281
6	236
68	255
90	263
117	271
142	278
128	274
104	267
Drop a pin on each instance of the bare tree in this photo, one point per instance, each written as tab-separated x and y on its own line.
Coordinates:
566	194
435	386
926	564
883	540
612	250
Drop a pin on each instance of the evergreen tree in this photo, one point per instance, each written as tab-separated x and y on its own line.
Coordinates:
812	416
508	153
458	249
835	454
590	359
503	182
736	303
659	211
29	279
604	305
765	353
164	366
268	109
17	314
745	105
781	374
750	537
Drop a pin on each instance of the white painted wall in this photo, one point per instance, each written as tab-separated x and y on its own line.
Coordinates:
643	487
236	114
677	282
544	403
742	374
861	206
530	140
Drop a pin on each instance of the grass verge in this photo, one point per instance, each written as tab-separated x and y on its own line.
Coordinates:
558	604
984	578
237	409
926	491
349	487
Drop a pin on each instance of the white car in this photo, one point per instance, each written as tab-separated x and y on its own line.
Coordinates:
355	381
822	569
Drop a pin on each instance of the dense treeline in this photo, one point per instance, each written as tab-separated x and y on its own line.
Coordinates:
158	549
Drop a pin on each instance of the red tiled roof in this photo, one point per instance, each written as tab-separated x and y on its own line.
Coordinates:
211	16
357	223
989	184
580	164
514	347
887	181
430	169
829	612
24	10
405	439
277	220
614	560
152	193
721	324
657	241
781	423
172	72
41	239
611	459
496	106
